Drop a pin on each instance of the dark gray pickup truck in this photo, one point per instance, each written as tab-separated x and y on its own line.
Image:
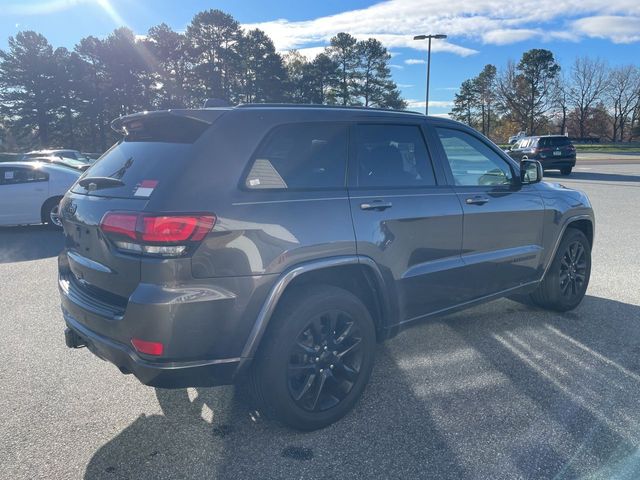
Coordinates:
274	245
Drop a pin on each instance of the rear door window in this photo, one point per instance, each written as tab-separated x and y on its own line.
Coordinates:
300	156
392	156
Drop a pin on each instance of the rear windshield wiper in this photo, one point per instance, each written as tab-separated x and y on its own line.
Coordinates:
92	183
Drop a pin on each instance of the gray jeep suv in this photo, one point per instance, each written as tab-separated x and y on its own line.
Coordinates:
274	245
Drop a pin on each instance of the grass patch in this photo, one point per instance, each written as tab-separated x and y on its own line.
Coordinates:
610	148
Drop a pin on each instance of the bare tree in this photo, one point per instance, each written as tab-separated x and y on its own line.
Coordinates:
510	96
562	102
589	81
526	90
623	94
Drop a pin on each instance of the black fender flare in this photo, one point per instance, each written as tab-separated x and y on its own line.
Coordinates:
563	229
278	289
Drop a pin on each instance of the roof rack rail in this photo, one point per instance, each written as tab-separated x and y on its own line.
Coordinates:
320	106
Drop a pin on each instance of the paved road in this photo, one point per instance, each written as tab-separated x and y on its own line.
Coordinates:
498	392
608	158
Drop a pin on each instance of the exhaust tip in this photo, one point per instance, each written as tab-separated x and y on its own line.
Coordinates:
72	339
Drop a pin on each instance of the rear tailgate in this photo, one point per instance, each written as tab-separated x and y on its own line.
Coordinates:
94	264
155	149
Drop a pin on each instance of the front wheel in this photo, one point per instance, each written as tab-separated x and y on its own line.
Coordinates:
316	358
566	281
566	170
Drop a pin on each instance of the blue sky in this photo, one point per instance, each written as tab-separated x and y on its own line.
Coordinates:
480	31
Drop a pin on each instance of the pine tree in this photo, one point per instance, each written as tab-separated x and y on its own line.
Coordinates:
344	51
27	86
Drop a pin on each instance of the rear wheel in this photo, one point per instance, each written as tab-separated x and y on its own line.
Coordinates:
316	358
566	281
566	170
50	214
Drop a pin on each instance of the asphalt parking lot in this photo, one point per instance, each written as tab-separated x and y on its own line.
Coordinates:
502	391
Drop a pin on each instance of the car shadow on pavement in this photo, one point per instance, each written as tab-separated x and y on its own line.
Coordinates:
34	242
500	391
594	176
214	433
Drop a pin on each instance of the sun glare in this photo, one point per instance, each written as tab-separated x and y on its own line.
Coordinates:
111	11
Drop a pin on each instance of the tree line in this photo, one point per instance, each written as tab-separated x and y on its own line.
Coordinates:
60	97
588	99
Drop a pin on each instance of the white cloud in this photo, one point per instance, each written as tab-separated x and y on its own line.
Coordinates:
412	104
505	36
498	22
616	28
397	67
405	85
414	61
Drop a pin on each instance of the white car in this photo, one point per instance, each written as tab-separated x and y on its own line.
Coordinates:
30	191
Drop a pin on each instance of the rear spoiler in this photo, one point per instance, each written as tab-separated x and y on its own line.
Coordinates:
136	121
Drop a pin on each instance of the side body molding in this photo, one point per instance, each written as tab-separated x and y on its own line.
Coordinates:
269	306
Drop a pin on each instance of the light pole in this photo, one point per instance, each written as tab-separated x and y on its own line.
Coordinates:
438	36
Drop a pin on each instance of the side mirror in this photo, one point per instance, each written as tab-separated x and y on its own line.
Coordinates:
530	171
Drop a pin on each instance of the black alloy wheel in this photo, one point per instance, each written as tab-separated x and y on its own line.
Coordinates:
573	270
565	282
316	357
325	361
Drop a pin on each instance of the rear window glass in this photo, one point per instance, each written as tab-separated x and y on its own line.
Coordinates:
553	142
141	166
524	143
300	156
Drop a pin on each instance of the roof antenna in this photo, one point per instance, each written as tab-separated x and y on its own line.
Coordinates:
215	102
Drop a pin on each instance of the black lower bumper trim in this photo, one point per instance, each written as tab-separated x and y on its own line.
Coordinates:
156	374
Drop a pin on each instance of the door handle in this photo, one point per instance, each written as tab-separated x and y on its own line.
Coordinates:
476	200
376	205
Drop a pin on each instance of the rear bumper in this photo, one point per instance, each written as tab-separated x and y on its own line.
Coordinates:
156	374
551	163
203	325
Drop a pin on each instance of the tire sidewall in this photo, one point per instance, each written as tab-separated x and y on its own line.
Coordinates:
553	276
291	320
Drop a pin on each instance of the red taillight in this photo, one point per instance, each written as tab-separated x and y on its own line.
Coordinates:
164	235
120	224
170	229
149	348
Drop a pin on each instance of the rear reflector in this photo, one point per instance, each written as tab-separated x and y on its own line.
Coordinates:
160	235
148	348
